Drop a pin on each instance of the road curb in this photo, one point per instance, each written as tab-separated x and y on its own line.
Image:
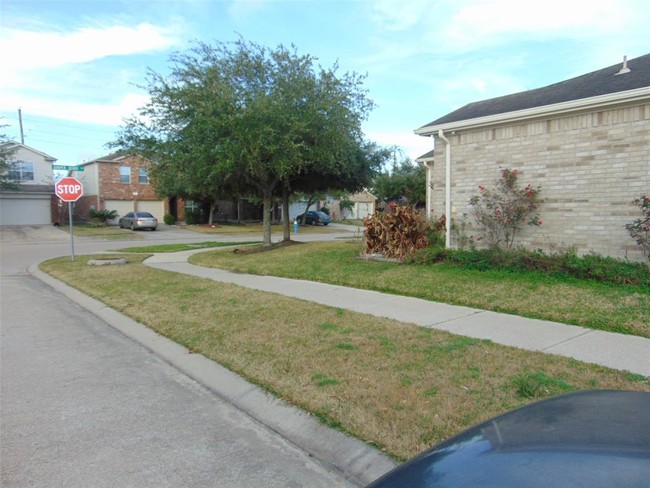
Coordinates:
357	461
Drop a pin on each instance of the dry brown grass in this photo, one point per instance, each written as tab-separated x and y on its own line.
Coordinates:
395	385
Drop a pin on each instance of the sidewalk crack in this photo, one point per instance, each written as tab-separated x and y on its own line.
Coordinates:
547	348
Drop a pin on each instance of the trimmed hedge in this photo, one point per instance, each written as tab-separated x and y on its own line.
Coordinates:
565	264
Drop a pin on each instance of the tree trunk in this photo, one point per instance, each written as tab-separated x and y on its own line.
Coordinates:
304	215
286	225
266	220
213	207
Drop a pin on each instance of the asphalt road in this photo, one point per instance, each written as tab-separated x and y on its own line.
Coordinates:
81	405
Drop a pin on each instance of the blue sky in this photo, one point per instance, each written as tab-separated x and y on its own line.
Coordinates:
73	67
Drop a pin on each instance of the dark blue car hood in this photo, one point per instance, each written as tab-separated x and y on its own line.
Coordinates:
585	439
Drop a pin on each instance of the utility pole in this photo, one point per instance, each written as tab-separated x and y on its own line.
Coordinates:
20	121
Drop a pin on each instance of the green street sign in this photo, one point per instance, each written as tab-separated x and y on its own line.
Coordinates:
67	168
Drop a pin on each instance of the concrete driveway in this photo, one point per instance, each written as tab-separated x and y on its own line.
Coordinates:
82	405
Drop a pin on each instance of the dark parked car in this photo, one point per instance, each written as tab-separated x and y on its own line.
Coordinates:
314	218
588	438
138	220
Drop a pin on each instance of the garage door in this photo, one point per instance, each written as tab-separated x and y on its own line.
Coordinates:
25	210
121	206
155	208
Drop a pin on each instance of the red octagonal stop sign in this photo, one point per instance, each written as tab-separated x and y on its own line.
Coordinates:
68	189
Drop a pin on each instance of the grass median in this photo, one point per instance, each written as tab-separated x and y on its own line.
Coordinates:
256	229
108	232
613	308
395	385
183	246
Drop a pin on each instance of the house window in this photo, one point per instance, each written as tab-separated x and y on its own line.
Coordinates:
192	206
21	171
143	176
125	174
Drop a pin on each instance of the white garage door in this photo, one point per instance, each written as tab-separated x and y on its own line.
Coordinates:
122	206
155	208
25	210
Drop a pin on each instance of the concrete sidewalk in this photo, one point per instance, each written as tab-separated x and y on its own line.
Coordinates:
608	349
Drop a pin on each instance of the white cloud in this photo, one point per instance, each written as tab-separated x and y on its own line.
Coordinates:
399	16
485	22
23	49
413	146
92	113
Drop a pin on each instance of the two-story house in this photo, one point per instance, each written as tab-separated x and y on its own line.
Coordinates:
118	182
33	201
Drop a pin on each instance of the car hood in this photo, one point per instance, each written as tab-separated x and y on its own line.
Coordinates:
589	438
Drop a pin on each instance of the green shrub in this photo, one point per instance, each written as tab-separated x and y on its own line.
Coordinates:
194	217
639	230
565	264
169	219
502	211
101	217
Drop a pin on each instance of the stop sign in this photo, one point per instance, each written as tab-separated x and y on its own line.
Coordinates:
68	189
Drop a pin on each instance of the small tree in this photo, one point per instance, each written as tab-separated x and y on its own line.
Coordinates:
501	212
346	205
7	148
639	230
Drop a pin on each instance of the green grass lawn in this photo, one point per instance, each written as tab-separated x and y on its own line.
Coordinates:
183	247
397	386
615	308
255	229
109	232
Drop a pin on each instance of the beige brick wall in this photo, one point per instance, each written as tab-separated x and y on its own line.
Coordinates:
590	167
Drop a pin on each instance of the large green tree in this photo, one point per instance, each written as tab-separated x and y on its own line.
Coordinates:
404	179
239	118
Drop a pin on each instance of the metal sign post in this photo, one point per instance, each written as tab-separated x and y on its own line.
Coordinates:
69	190
71	231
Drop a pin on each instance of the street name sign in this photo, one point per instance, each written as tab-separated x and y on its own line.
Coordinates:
64	167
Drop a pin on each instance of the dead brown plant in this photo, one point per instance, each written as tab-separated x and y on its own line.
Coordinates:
395	234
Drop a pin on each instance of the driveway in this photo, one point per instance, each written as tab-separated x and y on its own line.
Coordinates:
83	405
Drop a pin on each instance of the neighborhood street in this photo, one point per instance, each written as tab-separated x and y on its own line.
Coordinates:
83	405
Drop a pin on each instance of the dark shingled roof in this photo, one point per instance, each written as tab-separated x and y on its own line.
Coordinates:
427	155
601	82
111	158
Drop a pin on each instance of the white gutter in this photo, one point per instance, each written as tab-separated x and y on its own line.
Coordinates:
600	101
441	135
99	196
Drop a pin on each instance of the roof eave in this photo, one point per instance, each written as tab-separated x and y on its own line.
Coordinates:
602	101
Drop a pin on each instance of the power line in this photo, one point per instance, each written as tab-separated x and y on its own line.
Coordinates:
72	125
65	135
58	143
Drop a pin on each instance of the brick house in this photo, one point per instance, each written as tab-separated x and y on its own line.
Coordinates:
34	202
118	182
586	141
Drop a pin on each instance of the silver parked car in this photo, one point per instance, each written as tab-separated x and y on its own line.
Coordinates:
138	220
